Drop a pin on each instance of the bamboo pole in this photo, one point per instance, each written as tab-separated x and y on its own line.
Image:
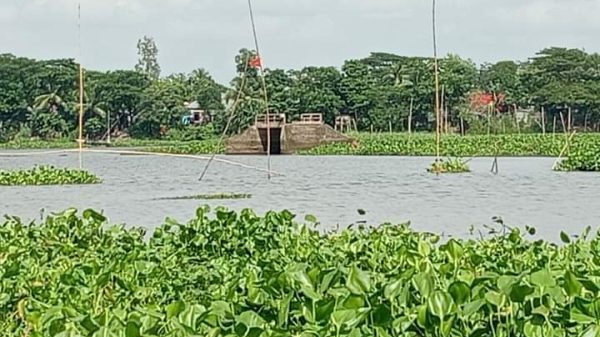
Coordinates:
410	113
543	121
437	86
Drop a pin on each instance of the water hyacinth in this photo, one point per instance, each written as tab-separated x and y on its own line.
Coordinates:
450	165
47	175
423	144
239	274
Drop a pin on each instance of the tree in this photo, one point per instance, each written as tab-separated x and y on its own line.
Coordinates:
148	58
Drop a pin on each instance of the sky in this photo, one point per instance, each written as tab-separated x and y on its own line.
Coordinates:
193	34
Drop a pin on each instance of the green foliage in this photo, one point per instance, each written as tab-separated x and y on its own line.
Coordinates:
215	196
191	133
47	175
458	146
238	274
450	165
209	146
582	157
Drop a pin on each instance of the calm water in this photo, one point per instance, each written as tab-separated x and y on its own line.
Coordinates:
394	189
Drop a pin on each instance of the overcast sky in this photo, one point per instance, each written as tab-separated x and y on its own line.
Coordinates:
293	33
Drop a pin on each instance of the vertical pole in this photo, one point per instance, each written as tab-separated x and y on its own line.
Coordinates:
264	85
108	126
410	113
80	139
437	87
569	121
543	121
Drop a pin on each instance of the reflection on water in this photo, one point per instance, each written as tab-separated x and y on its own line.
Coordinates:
394	189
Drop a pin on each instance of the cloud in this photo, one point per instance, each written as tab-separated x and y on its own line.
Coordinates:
293	33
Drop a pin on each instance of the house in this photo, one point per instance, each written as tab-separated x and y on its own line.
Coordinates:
197	115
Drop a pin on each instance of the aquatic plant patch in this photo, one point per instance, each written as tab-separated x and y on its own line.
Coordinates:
240	274
450	165
215	196
423	144
47	175
584	157
193	147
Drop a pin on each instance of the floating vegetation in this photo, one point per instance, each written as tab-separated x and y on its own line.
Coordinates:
582	158
239	274
217	196
423	144
193	147
47	175
450	165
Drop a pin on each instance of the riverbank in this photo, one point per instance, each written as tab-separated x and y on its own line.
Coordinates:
240	274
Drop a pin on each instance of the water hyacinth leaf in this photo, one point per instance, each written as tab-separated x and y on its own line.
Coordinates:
454	249
132	329
393	289
572	285
473	307
519	293
424	284
358	281
251	320
543	278
580	317
495	298
440	304
91	214
505	283
283	310
565	238
460	292
174	309
592	331
347	317
310	218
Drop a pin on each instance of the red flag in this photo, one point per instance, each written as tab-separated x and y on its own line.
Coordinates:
255	62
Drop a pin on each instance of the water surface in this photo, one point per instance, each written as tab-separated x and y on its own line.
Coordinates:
389	189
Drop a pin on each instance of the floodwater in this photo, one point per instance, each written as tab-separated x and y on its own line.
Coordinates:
389	189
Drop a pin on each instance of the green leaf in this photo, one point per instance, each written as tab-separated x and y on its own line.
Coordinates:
440	304
310	218
473	307
543	278
358	281
495	298
251	319
454	249
424	284
460	292
90	214
174	309
565	238
572	285
132	329
393	289
519	293
592	331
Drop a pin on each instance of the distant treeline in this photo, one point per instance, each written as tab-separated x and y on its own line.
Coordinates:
40	98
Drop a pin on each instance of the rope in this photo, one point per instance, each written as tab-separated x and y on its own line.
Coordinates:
132	152
264	86
231	116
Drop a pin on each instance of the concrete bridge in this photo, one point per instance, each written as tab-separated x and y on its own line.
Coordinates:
286	138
